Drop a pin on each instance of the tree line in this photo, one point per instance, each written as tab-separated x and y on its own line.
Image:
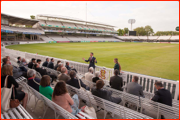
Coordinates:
146	31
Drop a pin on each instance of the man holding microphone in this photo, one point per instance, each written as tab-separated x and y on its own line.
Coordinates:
91	60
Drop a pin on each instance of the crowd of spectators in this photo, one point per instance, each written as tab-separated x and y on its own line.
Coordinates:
68	76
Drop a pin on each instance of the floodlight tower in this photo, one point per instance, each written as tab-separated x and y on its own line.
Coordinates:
131	21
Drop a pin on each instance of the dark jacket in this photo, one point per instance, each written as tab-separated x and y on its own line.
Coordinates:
116	82
74	82
163	96
68	68
30	65
91	62
41	71
18	62
50	65
17	72
107	95
34	84
94	79
45	64
56	66
116	67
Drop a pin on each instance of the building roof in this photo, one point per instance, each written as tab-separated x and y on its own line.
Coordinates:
73	19
18	20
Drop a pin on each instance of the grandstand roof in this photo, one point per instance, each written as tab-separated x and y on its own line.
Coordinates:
73	19
18	20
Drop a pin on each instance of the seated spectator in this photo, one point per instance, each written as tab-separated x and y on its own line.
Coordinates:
63	76
116	82
30	64
89	75
46	62
63	99
105	94
45	88
74	82
58	62
5	61
162	95
19	60
51	64
38	61
134	88
7	73
23	63
59	67
44	72
96	78
8	59
32	80
17	72
70	68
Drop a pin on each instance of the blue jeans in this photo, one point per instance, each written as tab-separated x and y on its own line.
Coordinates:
75	106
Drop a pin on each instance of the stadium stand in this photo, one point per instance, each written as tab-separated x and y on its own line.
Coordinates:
147	107
153	37
174	38
16	113
45	38
142	37
164	37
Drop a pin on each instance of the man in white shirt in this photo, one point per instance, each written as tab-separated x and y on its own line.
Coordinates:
89	75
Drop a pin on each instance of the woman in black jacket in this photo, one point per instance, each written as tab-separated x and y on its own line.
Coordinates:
7	72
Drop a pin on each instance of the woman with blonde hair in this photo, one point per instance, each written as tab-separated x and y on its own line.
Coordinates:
117	65
7	73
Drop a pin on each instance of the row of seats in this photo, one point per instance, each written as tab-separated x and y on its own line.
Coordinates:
21	29
73	25
76	38
16	113
149	37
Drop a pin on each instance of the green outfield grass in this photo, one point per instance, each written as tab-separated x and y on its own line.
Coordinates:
159	60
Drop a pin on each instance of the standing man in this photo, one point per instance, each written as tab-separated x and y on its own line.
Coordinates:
91	60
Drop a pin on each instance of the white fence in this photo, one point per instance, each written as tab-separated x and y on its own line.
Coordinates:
146	81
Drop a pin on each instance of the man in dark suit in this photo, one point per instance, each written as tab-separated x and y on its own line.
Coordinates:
30	64
19	60
92	60
116	82
74	82
51	64
162	95
134	88
46	62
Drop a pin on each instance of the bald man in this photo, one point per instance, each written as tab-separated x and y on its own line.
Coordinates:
63	76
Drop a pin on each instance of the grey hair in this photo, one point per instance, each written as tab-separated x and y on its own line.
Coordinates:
63	69
97	73
31	72
60	64
91	69
22	59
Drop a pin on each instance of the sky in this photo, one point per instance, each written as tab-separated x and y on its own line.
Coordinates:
160	15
